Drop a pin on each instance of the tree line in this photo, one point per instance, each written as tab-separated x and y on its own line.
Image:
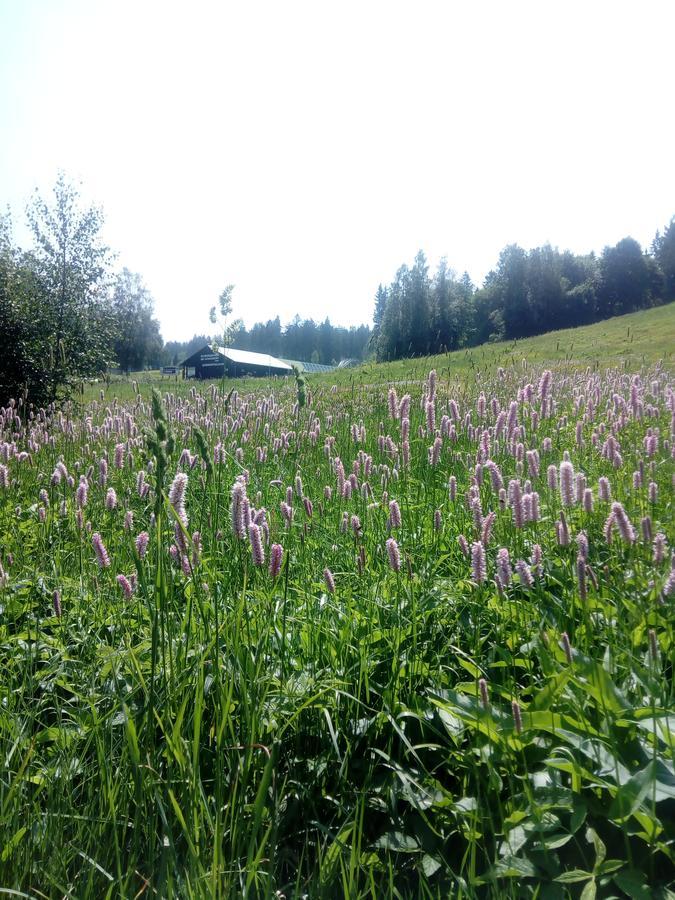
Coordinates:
527	293
304	340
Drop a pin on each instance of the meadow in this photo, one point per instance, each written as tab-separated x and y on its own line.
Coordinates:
403	631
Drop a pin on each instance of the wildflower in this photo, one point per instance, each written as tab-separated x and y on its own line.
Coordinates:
56	603
394	514
536	560
588	500
516	498
581	576
119	456
452	487
484	696
99	549
237	511
503	567
478	566
196	547
392	400
477	514
567	647
580	486
608	527
276	557
562	531
524	573
394	554
124	583
669	586
430	411
435	452
532	463
486	532
544	384
438	522
142	543
517	716
329	581
255	539
566	483
432	383
495	475
81	493
623	523
659	545
177	490
463	545
356	525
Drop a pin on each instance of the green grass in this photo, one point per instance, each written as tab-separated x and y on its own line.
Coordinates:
223	732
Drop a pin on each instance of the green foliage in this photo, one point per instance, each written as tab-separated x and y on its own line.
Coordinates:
663	249
63	319
138	342
528	293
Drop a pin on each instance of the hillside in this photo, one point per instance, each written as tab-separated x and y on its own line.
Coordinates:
637	339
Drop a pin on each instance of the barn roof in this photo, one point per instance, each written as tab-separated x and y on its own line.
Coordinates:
249	358
308	367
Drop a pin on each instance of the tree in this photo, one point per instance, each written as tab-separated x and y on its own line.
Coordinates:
378	313
663	249
56	317
138	341
626	279
71	264
224	311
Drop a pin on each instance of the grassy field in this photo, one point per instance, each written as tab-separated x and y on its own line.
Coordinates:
347	640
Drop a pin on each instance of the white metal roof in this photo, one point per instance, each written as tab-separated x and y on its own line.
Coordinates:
249	358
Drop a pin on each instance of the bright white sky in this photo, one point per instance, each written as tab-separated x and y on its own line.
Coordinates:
304	150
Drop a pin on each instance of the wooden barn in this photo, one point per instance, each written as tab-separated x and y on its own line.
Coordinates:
209	363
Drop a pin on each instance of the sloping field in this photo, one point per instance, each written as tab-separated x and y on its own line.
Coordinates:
628	342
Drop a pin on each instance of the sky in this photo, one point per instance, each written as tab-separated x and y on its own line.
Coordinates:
303	150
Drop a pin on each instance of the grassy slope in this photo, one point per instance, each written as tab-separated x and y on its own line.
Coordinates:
634	340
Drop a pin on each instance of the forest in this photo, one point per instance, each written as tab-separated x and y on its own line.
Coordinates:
527	293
